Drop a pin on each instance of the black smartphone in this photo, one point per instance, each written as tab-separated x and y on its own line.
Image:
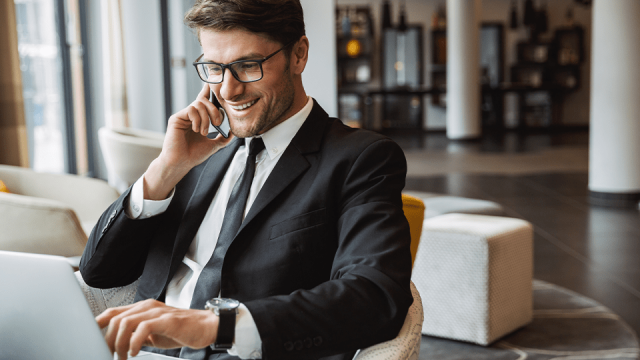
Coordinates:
224	128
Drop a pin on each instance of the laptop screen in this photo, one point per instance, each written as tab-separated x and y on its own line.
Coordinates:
43	313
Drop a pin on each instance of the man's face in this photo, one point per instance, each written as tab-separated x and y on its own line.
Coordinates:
256	107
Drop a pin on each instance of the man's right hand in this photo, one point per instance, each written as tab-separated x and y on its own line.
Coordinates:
185	146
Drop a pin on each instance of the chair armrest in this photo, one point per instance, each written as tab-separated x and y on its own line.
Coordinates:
41	226
88	197
101	299
406	346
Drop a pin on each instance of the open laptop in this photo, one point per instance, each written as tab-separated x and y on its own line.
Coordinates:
44	314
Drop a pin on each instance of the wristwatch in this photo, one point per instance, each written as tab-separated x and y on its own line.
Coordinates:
226	310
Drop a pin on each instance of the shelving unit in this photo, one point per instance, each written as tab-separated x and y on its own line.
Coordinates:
545	73
355	50
548	70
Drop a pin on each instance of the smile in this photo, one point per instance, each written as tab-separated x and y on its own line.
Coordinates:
243	106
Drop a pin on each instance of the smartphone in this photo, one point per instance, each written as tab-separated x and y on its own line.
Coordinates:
224	128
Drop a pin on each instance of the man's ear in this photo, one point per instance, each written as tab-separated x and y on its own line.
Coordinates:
299	55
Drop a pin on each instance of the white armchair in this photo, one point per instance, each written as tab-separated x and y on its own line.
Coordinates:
49	213
405	346
127	153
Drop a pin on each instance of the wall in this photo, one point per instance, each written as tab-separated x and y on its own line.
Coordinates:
185	49
143	58
576	109
319	77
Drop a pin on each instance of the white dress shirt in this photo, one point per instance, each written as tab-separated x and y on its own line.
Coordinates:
247	343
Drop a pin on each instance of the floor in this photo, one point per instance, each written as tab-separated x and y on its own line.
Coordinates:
543	179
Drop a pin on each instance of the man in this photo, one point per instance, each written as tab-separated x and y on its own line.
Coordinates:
320	262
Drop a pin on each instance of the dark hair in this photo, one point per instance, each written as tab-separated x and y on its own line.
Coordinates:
278	20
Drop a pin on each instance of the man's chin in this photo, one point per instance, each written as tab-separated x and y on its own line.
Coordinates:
247	126
242	132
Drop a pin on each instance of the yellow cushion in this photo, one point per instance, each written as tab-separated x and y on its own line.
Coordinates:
413	209
3	187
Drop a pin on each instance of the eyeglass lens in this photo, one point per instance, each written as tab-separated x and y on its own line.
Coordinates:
245	71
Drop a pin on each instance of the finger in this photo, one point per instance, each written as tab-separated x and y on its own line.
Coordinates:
204	118
119	336
106	316
110	335
215	116
204	92
219	116
125	329
113	316
222	141
151	332
194	116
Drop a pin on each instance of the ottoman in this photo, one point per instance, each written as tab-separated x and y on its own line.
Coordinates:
438	204
474	274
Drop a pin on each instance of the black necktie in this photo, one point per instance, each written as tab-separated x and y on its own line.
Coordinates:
208	284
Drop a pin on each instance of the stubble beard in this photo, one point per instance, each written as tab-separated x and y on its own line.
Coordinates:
271	113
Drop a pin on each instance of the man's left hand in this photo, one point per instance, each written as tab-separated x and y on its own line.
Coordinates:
152	323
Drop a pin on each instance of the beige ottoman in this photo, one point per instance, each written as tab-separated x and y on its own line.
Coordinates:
474	273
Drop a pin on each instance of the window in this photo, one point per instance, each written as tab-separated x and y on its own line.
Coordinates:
51	65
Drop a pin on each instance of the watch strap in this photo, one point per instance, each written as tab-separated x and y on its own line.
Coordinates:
226	329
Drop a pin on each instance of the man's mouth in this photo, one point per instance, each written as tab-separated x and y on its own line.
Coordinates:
243	106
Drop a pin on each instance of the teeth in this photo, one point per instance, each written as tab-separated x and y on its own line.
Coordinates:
243	106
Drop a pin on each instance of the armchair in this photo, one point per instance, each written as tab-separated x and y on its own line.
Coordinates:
127	153
49	213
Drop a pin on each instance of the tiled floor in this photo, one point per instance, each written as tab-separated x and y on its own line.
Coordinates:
592	250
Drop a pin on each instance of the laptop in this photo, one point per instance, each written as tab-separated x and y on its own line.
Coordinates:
44	314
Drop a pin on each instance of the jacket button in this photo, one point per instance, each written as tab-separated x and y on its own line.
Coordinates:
288	346
308	342
298	345
317	341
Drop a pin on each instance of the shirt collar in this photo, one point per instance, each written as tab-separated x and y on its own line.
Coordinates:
278	138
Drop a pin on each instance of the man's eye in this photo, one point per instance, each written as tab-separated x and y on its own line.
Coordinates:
249	66
214	68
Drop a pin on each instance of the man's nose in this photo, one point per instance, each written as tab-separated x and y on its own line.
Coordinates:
231	87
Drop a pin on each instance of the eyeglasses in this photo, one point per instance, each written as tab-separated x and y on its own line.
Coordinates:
245	71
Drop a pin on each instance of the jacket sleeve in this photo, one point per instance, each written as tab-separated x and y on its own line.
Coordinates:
368	295
117	247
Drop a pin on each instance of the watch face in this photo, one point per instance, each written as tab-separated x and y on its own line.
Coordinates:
222	304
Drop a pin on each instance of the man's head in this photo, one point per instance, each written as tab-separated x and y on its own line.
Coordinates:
232	30
281	21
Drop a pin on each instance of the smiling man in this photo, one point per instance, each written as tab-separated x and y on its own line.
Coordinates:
285	241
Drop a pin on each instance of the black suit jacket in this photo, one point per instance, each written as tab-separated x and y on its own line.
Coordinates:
321	260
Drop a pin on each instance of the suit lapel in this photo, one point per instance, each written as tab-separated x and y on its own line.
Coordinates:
293	162
203	193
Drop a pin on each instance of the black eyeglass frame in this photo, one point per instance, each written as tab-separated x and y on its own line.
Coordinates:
233	72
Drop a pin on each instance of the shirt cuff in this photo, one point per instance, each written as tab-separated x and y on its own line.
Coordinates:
247	343
140	208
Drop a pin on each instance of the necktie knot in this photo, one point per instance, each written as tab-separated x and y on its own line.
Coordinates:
256	146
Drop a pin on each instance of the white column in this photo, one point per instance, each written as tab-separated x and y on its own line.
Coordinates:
142	35
180	63
319	77
614	144
463	69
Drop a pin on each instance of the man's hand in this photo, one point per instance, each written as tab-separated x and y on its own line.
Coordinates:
185	146
152	323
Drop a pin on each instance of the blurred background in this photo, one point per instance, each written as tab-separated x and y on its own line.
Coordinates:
530	104
383	65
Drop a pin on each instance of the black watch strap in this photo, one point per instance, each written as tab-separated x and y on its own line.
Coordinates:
226	329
